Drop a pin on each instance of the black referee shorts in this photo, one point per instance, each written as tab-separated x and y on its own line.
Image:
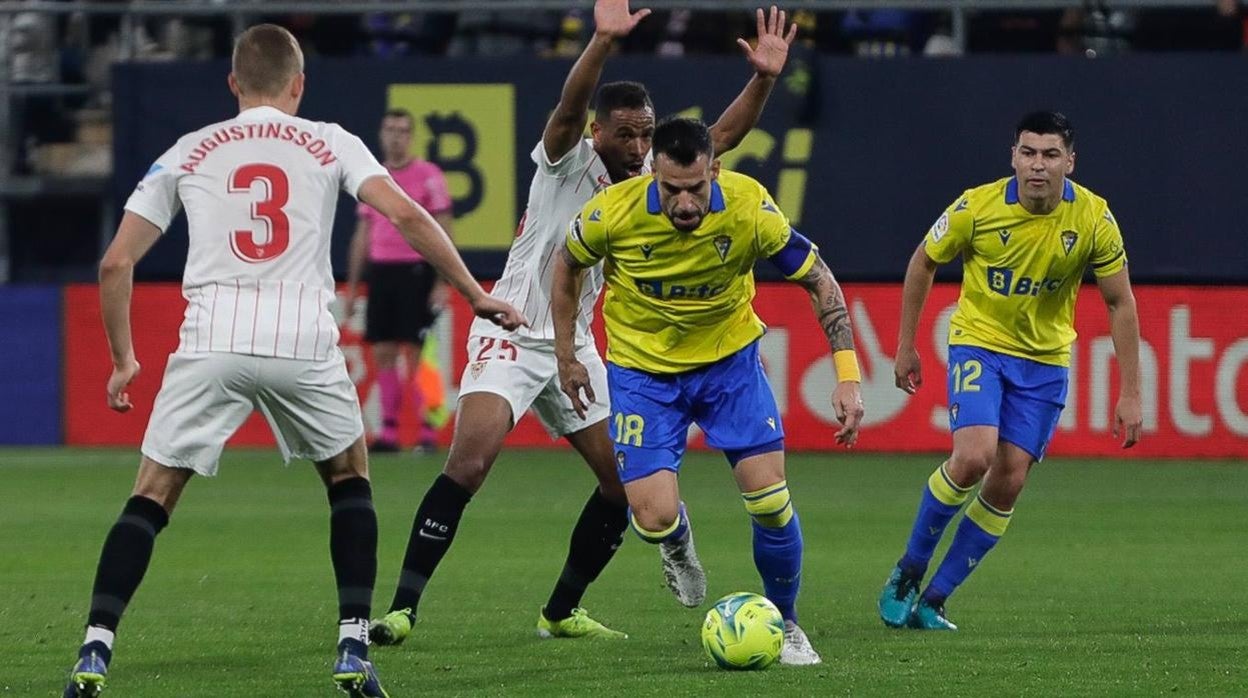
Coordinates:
398	301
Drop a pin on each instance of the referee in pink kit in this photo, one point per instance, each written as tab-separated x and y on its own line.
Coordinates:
404	292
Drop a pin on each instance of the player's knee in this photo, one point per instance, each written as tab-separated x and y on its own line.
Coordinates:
161	484
468	471
770	507
1011	479
351	463
967	467
654	524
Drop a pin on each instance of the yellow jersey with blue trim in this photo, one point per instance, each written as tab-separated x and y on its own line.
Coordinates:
1021	271
677	301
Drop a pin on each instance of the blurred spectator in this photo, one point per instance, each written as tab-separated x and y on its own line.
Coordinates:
1095	30
673	43
510	33
176	39
673	33
883	33
1217	28
390	35
1012	32
574	31
717	32
33	55
941	43
408	33
325	35
34	60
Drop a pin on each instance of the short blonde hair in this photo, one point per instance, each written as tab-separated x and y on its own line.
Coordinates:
266	57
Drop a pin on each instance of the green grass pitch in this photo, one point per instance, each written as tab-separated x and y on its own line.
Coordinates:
1116	577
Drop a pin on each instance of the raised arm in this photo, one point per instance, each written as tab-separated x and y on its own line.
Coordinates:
907	369
612	20
135	236
425	236
833	315
768	59
1124	329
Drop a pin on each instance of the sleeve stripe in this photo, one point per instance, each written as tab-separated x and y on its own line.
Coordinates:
811	256
582	252
794	258
1110	261
581	240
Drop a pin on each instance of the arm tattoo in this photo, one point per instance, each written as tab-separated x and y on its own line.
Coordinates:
830	305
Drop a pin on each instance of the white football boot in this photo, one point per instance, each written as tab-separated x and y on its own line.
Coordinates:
797	650
683	571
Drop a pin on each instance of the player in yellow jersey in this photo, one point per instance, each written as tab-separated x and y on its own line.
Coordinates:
1025	243
678	251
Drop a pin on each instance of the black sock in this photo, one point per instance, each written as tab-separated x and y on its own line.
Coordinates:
353	546
433	530
597	535
124	559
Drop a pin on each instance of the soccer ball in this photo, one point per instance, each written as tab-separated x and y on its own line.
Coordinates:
743	631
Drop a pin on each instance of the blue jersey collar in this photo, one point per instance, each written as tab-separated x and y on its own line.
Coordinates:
717	197
1011	191
655	207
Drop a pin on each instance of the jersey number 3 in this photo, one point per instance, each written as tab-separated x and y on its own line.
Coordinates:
245	243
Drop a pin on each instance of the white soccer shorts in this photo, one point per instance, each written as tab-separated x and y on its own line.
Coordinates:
526	374
311	406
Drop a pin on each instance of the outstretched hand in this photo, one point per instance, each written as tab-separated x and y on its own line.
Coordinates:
769	56
613	18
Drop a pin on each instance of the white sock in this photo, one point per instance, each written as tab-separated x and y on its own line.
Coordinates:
97	634
353	629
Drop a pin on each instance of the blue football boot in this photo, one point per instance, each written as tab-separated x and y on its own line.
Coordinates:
897	598
357	677
86	680
930	616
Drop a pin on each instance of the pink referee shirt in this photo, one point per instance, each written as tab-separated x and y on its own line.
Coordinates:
424	182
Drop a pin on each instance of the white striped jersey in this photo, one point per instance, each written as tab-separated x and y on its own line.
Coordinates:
260	191
556	195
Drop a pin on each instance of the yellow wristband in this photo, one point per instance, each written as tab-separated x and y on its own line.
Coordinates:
846	362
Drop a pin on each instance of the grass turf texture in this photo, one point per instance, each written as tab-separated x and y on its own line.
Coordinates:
1116	577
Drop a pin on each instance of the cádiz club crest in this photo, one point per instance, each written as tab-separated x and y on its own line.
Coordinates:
1069	238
